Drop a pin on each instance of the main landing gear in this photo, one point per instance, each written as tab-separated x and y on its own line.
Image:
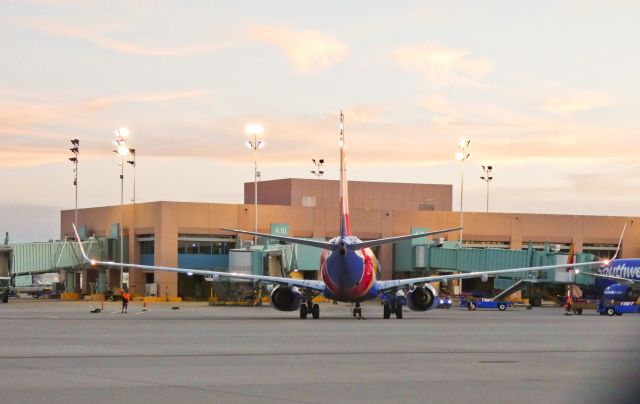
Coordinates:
357	311
392	308
309	308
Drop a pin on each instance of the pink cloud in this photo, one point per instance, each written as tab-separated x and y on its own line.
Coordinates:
308	51
151	98
576	103
441	64
98	37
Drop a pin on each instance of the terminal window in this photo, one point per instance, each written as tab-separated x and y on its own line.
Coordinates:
309	201
429	204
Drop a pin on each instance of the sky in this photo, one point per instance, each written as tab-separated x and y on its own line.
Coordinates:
547	92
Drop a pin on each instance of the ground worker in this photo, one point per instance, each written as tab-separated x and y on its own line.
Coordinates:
569	304
125	300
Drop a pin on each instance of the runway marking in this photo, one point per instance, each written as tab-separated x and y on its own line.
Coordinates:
301	354
207	389
498	361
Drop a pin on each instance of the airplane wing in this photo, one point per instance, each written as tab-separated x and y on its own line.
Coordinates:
314	243
623	281
397	283
388	240
301	283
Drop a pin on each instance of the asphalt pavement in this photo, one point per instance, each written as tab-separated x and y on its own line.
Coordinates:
59	352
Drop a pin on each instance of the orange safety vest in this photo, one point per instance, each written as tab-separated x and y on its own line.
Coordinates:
569	299
126	296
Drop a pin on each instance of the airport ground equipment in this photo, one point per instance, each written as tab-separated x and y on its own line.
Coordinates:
581	304
36	291
444	302
473	304
611	308
5	290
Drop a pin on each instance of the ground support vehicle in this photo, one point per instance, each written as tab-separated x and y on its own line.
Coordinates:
36	291
473	304
444	302
611	308
581	304
5	291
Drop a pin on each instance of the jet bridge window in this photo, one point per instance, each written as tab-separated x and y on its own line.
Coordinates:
205	244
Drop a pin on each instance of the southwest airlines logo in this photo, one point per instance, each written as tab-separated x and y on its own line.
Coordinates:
621	270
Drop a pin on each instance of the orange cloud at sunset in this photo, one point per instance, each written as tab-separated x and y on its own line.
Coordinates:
106	102
578	102
308	51
442	64
99	37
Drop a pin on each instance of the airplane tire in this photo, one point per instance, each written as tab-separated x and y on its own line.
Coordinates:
471	306
5	298
386	311
577	311
502	307
610	311
315	311
303	311
535	301
399	311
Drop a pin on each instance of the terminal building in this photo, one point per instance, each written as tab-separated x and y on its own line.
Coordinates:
189	235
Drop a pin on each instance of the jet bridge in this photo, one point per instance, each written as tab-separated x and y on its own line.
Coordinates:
27	261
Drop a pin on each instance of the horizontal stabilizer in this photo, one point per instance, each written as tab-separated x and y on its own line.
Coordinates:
313	243
389	240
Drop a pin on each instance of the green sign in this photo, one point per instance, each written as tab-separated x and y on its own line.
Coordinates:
279	229
419	240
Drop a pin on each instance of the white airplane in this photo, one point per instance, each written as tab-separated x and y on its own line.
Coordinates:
350	271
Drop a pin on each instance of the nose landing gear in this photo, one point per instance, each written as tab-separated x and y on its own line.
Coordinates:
357	311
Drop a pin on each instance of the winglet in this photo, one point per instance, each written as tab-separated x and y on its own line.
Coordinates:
84	254
620	242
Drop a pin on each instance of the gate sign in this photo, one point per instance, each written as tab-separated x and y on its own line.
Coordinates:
419	240
279	229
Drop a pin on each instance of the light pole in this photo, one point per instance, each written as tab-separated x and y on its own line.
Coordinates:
319	163
75	149
462	155
487	178
133	164
122	150
255	144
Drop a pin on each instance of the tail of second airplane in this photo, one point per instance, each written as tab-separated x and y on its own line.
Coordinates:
345	224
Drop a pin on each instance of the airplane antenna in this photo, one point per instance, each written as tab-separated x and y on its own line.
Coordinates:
620	242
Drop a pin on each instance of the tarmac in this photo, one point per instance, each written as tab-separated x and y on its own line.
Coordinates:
59	352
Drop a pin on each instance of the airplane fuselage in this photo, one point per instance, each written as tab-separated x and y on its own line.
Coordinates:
610	289
622	268
350	275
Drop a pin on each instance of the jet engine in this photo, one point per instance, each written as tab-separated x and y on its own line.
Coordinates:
284	298
422	298
620	293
